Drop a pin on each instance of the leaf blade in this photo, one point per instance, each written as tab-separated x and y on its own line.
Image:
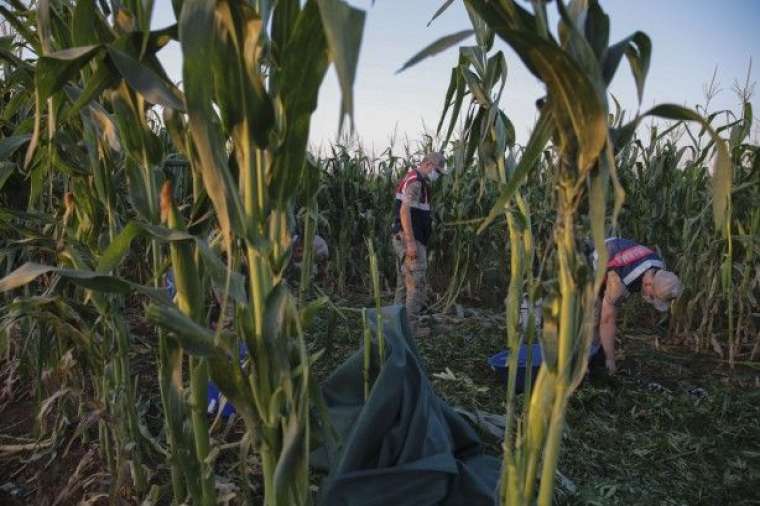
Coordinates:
436	47
344	26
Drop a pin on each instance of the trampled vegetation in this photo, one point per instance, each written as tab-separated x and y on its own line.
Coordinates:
112	177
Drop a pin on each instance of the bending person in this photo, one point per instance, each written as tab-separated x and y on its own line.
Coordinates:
631	268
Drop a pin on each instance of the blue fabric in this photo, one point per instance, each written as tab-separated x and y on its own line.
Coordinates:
214	399
169	283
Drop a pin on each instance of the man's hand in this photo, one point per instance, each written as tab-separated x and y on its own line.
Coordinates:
411	251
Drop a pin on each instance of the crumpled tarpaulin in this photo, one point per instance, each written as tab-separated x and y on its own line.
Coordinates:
404	446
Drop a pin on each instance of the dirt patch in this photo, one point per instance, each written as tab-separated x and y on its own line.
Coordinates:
45	471
673	427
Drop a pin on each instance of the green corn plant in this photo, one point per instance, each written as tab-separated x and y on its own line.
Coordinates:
531	286
576	69
367	355
310	216
375	277
119	383
514	340
522	282
260	65
268	150
675	177
190	301
98	54
82	156
92	197
356	197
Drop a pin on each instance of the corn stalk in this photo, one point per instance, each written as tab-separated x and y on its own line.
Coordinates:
251	76
576	66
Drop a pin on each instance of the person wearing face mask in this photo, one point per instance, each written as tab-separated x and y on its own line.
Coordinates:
631	268
411	230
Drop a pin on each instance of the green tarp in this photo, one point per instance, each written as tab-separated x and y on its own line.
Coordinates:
404	446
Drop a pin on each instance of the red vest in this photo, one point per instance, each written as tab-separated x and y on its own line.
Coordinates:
422	220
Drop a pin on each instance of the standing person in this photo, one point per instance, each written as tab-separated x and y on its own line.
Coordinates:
411	230
631	268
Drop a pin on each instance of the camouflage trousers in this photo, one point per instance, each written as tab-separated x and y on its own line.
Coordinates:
411	281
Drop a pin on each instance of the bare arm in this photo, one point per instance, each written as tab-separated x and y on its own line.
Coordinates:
407	233
607	331
615	292
411	196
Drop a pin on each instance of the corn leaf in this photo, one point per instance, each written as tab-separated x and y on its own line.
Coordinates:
10	144
743	128
575	43
6	171
120	246
293	446
597	29
476	88
86	279
440	11
239	90
21	28
723	174
436	47
176	127
88	26
138	191
283	21
496	69
483	33
228	376
103	77
573	97
549	336
194	338
304	65
540	136
456	85
56	69
597	201
145	81
196	31
343	27
274	318
637	48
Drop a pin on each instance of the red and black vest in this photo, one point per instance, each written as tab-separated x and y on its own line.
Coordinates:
630	261
422	220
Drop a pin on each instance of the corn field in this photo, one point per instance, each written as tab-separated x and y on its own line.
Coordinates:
112	178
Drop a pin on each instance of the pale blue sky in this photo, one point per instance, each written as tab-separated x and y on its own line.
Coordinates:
690	39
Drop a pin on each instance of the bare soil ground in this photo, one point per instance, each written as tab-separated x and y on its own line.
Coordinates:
671	428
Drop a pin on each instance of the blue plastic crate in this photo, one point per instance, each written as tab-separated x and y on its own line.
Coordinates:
214	395
499	362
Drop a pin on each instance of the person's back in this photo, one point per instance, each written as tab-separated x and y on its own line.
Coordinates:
630	261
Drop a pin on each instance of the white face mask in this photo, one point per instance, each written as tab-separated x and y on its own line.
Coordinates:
434	174
658	304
